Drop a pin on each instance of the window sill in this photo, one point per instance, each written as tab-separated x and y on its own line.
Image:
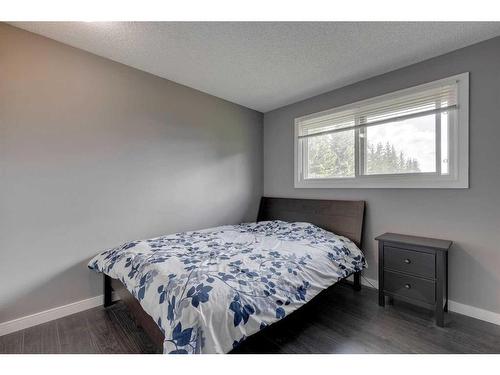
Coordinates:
374	182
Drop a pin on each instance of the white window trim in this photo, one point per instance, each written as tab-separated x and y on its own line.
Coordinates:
459	172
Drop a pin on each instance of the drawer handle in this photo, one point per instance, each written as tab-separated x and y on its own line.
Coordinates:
407	261
407	286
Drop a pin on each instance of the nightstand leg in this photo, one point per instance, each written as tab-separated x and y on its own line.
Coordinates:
440	288
440	317
446	281
381	299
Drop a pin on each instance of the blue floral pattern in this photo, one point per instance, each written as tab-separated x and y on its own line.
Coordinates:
208	290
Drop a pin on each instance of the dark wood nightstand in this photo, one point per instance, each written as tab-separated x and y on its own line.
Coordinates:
414	269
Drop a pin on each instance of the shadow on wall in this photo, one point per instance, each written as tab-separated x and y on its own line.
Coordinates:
369	245
462	282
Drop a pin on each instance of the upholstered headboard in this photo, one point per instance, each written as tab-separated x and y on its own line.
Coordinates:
344	218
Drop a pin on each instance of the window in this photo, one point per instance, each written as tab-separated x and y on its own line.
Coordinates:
413	138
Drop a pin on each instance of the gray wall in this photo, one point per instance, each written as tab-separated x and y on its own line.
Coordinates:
94	153
469	217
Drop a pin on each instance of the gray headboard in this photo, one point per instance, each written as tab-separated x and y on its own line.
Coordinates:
344	218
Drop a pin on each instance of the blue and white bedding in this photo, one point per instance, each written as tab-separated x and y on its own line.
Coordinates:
210	289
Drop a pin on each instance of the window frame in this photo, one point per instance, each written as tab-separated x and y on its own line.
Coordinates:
458	148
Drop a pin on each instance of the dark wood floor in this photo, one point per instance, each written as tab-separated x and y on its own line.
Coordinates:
338	321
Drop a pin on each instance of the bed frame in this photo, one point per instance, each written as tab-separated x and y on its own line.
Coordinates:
341	217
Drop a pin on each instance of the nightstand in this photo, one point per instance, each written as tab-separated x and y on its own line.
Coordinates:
414	269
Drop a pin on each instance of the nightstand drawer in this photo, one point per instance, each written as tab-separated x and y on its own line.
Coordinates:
409	261
409	287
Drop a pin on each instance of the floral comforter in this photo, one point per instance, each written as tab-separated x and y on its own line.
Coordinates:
210	289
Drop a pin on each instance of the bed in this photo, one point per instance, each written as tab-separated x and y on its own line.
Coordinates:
206	291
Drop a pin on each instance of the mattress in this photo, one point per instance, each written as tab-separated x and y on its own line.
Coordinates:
210	289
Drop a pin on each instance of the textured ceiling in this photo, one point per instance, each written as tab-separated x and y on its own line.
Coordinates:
266	65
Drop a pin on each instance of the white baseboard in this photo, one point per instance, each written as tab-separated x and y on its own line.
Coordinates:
370	283
474	312
75	307
51	314
457	307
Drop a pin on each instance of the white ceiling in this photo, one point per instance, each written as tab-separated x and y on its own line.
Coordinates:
266	65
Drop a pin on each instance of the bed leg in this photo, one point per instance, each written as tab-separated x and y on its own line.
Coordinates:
357	281
107	291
